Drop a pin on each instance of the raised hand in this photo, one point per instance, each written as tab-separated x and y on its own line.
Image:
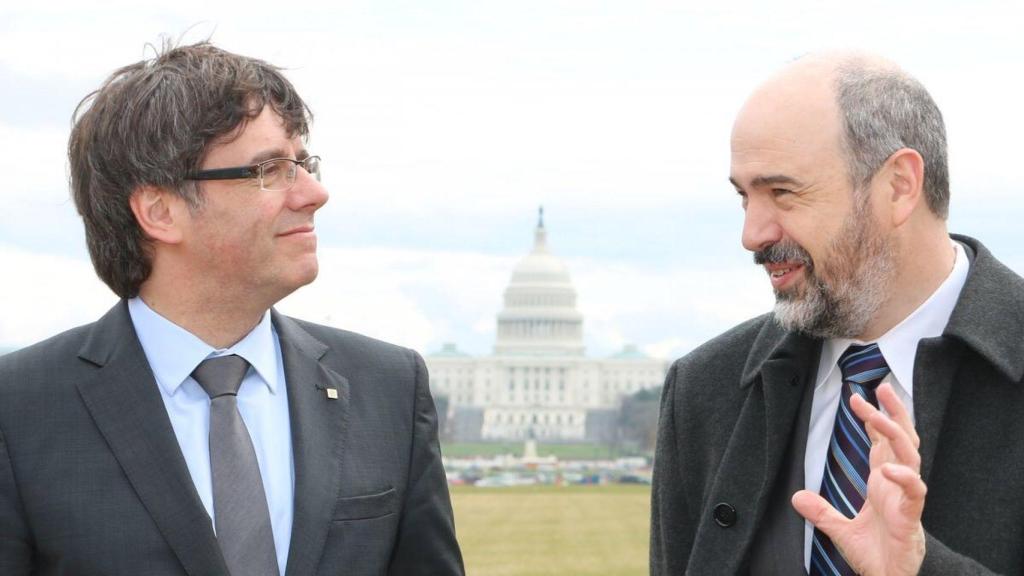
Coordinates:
886	537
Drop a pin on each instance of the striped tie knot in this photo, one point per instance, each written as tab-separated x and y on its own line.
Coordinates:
863	368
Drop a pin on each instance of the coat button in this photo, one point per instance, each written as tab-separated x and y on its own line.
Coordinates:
724	514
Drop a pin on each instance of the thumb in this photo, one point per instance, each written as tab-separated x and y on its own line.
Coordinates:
819	512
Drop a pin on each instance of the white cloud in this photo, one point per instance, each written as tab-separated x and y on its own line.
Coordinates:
33	162
670	348
482	110
44	294
38	214
665	311
416	298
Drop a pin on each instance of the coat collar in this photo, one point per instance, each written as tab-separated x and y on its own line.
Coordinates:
989	316
773	343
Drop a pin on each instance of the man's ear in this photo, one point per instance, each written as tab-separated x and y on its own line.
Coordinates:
905	179
159	212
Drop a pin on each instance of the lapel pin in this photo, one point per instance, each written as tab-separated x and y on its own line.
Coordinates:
332	393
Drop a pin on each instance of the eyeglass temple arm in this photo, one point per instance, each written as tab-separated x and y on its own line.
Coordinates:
225	173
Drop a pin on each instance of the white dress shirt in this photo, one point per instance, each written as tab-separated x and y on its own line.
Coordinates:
899	347
173	353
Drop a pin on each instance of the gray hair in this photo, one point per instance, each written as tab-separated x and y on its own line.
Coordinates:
883	110
150	124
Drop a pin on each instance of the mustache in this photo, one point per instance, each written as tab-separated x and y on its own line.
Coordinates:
783	252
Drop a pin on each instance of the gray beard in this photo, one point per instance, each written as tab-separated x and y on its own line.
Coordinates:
860	265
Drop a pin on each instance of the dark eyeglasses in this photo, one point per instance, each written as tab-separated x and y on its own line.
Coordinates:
274	175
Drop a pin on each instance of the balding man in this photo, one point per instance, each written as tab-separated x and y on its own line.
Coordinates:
773	456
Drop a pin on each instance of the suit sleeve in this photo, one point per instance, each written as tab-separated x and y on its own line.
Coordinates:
426	541
15	543
669	552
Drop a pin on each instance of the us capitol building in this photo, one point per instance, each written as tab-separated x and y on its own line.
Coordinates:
538	384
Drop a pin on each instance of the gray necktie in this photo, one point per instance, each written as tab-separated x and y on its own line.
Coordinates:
239	503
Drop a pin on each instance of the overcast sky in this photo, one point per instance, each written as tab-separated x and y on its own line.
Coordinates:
444	124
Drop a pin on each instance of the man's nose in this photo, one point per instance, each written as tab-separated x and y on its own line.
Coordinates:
307	192
760	227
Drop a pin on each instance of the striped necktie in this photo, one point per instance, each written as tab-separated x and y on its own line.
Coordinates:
844	483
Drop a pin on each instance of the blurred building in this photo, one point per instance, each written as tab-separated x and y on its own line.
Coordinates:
538	383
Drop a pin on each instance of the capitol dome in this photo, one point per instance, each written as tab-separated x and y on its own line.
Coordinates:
540	266
539	314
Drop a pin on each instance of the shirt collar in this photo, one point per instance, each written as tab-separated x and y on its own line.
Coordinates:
158	335
899	344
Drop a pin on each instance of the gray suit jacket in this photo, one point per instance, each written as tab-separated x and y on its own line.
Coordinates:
92	481
731	417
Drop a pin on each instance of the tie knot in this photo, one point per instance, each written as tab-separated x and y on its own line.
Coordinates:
863	365
221	375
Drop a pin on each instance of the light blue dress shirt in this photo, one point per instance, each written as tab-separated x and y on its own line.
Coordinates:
173	354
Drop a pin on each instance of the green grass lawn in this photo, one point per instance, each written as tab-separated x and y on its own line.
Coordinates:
549	530
575	451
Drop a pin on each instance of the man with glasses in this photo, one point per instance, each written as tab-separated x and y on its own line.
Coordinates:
872	424
193	429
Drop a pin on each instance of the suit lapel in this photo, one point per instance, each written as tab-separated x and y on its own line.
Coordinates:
318	431
124	402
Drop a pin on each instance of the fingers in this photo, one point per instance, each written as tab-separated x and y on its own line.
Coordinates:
909	480
819	512
880	426
897	411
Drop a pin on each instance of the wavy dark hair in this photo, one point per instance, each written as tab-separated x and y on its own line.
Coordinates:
150	124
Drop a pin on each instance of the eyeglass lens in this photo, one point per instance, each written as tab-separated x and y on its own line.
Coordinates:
277	175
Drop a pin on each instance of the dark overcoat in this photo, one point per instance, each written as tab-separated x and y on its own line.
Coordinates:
729	420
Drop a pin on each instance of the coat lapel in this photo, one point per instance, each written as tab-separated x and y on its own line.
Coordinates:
935	370
318	431
776	374
988	321
785	364
123	400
